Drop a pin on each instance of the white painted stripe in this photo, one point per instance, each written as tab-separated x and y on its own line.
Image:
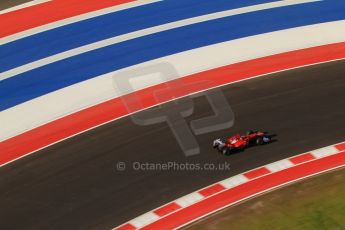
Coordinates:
74	19
189	199
279	165
68	100
234	181
142	82
145	32
144	219
323	152
24	5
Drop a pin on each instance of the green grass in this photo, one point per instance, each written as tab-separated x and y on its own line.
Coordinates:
317	203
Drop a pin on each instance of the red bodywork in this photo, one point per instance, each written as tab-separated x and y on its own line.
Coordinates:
239	142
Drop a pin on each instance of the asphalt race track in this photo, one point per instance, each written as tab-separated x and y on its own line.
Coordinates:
75	185
4	4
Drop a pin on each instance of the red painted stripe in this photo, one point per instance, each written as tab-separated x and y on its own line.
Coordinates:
38	15
126	227
246	190
211	190
302	158
257	173
57	130
166	209
341	147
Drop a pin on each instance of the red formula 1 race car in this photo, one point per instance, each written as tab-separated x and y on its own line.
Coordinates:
240	142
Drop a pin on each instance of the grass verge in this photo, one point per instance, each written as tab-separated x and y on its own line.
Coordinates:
317	203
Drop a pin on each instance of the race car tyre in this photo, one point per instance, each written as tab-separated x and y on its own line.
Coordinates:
259	141
266	139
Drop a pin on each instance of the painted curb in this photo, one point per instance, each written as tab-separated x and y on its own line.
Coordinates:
170	212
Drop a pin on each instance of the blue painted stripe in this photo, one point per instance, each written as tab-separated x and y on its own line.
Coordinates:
61	39
73	70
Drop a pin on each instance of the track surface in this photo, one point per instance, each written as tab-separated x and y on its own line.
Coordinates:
4	4
75	184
